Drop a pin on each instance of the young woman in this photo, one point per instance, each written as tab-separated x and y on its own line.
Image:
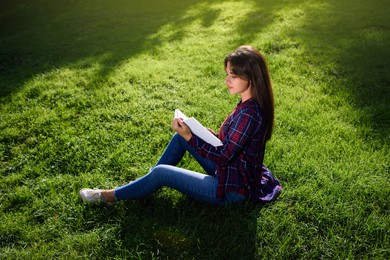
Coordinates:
235	170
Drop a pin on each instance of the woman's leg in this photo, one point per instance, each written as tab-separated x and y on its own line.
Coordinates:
193	184
176	150
196	185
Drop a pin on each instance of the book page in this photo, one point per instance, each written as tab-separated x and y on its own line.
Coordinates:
179	114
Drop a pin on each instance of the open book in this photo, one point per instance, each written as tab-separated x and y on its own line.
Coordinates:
198	129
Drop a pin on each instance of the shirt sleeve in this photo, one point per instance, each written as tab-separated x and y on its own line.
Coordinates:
240	131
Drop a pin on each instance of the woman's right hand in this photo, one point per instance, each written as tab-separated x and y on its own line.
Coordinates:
181	128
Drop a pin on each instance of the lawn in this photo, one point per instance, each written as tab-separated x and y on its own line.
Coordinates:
87	94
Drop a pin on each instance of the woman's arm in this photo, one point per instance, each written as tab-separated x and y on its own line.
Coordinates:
240	132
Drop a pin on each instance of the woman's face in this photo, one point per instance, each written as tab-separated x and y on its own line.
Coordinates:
237	85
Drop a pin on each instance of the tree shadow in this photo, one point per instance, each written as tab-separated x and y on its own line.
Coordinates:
352	45
41	36
76	35
357	40
159	227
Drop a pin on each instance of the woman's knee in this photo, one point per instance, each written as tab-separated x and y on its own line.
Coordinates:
179	139
165	175
176	136
159	170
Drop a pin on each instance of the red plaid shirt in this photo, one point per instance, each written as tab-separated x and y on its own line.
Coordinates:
240	159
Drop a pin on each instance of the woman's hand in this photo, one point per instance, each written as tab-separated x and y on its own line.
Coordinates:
181	128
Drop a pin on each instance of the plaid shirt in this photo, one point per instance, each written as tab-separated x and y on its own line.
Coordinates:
240	159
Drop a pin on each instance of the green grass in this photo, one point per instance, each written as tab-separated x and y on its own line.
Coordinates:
87	92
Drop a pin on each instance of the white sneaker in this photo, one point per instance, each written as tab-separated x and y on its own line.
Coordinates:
93	196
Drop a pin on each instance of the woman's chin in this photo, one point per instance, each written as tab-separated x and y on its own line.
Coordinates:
231	91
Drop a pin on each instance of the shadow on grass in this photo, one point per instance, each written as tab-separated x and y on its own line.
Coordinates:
39	36
158	227
349	42
42	35
356	38
75	34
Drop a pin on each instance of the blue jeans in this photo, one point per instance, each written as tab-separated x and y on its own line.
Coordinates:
165	173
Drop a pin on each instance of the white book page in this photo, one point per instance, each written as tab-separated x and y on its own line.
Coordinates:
198	129
179	114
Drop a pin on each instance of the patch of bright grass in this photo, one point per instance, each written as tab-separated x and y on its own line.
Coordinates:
88	90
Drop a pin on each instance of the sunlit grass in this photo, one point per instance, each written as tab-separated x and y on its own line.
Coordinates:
87	96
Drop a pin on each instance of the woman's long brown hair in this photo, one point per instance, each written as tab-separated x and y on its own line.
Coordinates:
249	64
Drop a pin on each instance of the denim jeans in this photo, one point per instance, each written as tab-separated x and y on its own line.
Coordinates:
199	186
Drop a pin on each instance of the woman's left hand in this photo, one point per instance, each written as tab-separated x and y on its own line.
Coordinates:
181	128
